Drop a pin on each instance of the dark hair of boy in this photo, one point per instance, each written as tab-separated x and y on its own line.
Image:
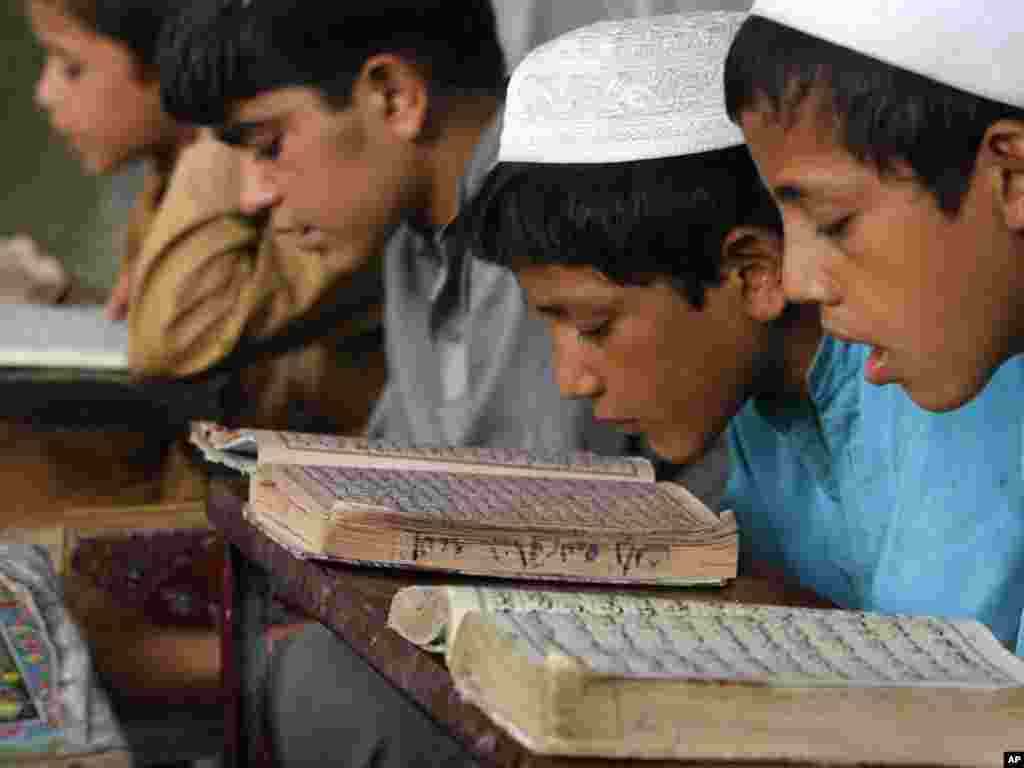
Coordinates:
135	24
632	221
210	59
884	114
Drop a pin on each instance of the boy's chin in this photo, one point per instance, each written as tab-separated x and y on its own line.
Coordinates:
675	448
940	393
96	164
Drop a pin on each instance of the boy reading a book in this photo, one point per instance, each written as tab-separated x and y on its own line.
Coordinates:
375	123
892	137
638	228
198	280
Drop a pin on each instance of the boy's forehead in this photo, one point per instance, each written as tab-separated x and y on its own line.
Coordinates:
266	110
563	285
799	154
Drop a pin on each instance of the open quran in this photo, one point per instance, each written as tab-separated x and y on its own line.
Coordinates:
620	675
490	512
74	337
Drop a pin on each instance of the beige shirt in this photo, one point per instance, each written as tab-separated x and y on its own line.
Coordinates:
206	279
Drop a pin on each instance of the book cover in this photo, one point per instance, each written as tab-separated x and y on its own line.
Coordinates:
30	709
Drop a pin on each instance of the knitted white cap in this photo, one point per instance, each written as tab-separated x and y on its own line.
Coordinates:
623	90
973	45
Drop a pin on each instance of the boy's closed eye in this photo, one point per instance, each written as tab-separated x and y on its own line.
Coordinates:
268	149
71	68
837	229
588	326
594	330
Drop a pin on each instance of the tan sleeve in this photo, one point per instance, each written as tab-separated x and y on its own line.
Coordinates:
206	277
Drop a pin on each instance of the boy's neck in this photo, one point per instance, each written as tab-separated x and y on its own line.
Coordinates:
799	336
465	121
166	157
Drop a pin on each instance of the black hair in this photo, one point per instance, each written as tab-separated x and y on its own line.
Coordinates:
882	113
135	24
218	52
632	221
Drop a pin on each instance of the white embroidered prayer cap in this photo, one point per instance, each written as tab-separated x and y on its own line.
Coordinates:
623	90
973	45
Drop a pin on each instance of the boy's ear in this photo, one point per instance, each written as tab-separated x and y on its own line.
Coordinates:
393	92
1004	145
752	259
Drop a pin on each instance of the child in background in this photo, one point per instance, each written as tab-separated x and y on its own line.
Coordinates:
637	227
376	122
198	281
892	137
198	278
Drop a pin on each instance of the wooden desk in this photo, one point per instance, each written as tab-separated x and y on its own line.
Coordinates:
45	471
354	603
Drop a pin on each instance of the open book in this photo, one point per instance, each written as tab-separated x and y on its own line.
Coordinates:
618	675
34	335
491	512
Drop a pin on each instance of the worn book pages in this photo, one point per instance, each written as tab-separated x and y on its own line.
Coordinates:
34	335
244	448
429	616
706	680
772	644
484	511
525	527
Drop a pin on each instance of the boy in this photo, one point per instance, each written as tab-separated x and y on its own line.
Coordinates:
637	227
198	282
892	136
374	123
368	126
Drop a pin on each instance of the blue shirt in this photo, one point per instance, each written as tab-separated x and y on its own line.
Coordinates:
880	505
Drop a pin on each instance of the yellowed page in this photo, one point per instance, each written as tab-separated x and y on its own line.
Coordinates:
450	500
437	611
283	447
781	646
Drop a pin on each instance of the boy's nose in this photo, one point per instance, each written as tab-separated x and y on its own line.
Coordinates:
44	85
575	377
805	274
259	193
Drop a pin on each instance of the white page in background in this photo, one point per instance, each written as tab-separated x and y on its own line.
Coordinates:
784	646
62	337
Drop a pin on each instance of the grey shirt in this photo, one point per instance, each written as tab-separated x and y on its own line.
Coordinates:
468	364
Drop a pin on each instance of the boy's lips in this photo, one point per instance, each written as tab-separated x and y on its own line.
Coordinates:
308	237
630	426
877	368
312	237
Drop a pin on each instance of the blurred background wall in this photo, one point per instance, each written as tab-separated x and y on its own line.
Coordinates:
524	24
43	191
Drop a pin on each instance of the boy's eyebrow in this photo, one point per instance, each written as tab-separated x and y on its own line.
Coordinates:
55	47
562	307
789	193
813	187
553	310
239	134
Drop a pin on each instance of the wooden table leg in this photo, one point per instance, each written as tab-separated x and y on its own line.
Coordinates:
247	596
